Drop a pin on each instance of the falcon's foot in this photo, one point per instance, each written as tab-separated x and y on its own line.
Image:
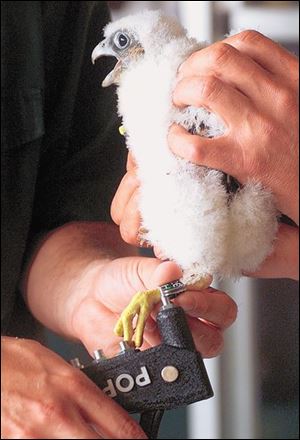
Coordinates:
141	305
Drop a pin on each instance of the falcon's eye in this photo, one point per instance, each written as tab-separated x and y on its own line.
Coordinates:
121	40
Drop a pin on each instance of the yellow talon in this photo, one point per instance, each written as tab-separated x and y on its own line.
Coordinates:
141	304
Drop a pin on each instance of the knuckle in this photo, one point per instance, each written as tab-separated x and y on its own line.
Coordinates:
31	344
186	89
211	88
286	99
74	379
293	63
267	131
256	161
192	60
51	409
251	36
31	350
221	54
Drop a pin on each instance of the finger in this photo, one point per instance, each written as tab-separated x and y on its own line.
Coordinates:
232	67
159	273
51	415
131	221
134	274
126	189
151	334
103	412
209	91
270	55
62	420
73	429
210	304
131	164
208	339
83	433
284	260
218	153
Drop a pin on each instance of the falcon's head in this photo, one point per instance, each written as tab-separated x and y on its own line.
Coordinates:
131	37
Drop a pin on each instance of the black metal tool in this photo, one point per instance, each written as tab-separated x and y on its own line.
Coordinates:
168	376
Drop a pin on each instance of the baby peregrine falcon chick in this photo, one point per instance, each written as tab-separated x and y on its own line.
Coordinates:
202	219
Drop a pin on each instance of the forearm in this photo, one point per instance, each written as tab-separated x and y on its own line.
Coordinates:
65	265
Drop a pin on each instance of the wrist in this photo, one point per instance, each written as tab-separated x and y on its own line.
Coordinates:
62	270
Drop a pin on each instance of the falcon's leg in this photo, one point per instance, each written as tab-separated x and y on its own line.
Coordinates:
141	305
196	282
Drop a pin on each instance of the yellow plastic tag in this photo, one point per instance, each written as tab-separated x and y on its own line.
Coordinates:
122	130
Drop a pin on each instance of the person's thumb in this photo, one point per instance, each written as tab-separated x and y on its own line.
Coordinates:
158	274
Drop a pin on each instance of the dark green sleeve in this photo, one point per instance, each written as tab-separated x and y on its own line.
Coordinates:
83	155
61	155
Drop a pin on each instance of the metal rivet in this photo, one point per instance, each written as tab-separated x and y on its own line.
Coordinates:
125	346
98	355
76	363
169	373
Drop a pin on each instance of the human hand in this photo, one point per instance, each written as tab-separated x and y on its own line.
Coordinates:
282	263
108	291
252	84
44	397
124	208
211	305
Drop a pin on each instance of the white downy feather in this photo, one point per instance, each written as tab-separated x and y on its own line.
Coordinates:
185	207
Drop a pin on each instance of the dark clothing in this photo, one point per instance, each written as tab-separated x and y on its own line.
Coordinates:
61	153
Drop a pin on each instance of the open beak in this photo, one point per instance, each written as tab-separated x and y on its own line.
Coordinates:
103	50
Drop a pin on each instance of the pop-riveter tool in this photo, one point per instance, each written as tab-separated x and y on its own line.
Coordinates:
168	376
